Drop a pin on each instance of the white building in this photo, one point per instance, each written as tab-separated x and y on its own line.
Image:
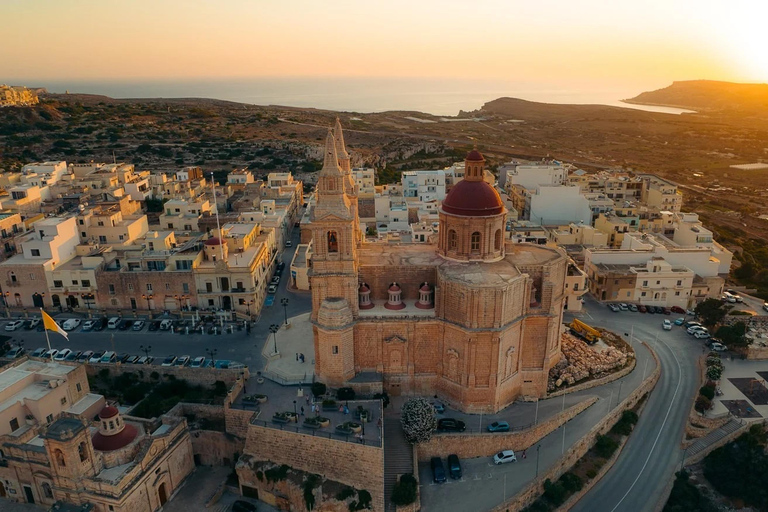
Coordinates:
556	204
424	185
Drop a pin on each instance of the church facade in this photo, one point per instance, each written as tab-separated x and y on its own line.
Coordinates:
474	320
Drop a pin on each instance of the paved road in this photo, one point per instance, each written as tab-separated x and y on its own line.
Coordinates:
238	346
652	454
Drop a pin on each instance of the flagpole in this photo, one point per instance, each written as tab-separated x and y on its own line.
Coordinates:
47	339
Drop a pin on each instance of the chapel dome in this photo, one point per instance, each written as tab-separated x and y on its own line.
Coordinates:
473	199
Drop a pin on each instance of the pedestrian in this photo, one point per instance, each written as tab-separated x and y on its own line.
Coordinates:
307	399
302	410
313	408
297	356
524	454
301	356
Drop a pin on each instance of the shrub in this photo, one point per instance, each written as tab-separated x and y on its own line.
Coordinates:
702	403
345	394
605	446
571	482
310	483
154	376
714	372
418	420
318	389
555	493
383	397
624	425
540	505
346	492
685	497
591	473
260	476
707	392
404	492
277	473
363	501
219	388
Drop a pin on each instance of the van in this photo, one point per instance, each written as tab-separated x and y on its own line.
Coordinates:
438	471
728	297
166	324
113	322
108	357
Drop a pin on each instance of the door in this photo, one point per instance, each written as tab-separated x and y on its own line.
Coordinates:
250	492
28	494
2	490
226	303
162	494
37	300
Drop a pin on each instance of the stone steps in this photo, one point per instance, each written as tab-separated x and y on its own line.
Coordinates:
713	437
398	456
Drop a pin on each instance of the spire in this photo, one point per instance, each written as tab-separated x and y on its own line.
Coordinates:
331	160
338	136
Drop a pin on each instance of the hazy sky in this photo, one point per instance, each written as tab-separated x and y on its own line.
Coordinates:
584	40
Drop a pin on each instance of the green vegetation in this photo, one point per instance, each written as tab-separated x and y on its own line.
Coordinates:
739	469
405	490
364	501
556	493
345	394
277	473
310	484
686	497
318	389
714	366
605	446
733	335
165	395
624	426
711	311
418	420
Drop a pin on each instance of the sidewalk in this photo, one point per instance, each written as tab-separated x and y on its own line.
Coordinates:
286	367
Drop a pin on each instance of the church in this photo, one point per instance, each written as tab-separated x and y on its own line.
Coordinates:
474	320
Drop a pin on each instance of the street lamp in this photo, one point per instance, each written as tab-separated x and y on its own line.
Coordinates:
211	352
248	306
88	297
147	298
273	329
538	450
284	302
295	415
146	349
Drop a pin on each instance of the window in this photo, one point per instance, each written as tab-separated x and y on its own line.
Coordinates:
57	284
121	237
335	349
130	286
74	282
35	252
111	289
679	282
133	303
156	265
677	294
47	492
474	242
83	234
185	287
14	423
183	264
209	287
642	294
615	281
453	240
82	452
59	456
167	286
49	418
79	387
113	302
31	277
149	287
333	242
210	302
102	239
63	400
111	425
86	282
80	221
497	240
645	283
658	282
101	223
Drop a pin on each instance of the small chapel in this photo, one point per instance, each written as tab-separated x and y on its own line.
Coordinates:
474	319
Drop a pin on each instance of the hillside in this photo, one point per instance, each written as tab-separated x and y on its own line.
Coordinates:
709	96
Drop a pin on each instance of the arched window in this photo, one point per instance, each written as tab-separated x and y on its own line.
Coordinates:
56	301
47	490
333	241
59	456
453	240
497	240
83	452
475	242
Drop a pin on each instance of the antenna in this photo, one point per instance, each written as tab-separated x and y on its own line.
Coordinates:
216	207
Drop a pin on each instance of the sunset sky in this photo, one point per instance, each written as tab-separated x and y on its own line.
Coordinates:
584	40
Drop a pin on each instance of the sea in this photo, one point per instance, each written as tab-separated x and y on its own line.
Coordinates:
440	97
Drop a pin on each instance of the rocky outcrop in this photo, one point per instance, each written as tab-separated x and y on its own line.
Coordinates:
581	361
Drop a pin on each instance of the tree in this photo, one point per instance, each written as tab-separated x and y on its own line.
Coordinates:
714	372
404	491
711	311
418	420
733	335
703	404
318	389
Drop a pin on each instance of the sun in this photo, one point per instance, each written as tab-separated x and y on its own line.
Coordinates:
744	32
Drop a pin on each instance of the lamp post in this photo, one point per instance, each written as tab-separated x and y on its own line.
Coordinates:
538	450
211	352
87	298
178	299
147	298
146	349
273	329
284	302
248	307
295	415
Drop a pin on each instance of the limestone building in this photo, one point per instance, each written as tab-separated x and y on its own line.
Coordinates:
475	319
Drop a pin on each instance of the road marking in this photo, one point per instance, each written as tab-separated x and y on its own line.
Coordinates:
587	313
663	423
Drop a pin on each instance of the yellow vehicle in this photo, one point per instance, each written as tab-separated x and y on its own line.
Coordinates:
584	331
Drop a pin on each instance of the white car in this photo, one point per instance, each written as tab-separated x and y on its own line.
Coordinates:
718	347
96	357
666	325
765	306
62	355
701	335
272	289
198	362
504	456
697	328
182	361
71	324
15	324
50	354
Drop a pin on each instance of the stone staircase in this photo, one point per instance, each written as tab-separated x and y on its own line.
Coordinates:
398	456
713	437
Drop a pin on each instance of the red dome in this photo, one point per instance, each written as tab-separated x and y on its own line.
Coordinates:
473	199
475	156
213	241
394	288
108	412
104	443
364	288
425	288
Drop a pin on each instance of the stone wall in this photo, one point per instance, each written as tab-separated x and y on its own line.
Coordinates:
202	376
596	382
357	465
237	421
467	446
210	447
756	352
536	488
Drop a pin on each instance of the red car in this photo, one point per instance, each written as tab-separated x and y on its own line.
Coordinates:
641	308
677	309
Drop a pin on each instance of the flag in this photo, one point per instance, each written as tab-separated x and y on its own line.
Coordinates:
50	324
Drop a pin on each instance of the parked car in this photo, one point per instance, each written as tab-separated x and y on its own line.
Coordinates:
96	357
438	471
633	308
666	311
701	335
735	295
72	356
666	325
450	425
182	361
679	321
454	466
125	325
718	347
114	322
101	324
122	357
40	327
696	328
765	306
690	312
614	308
624	307
272	289
504	456
15	352
275	280
62	354
131	359
498	426
288	243
677	309
439	408
70	324
168	361
154	325
166	324
33	323
88	325
690	324
138	325
13	325
145	360
85	356
39	352
51	354
243	506
651	309
641	308
108	357
198	362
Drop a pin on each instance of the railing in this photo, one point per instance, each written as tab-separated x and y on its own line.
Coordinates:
483	429
319	432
